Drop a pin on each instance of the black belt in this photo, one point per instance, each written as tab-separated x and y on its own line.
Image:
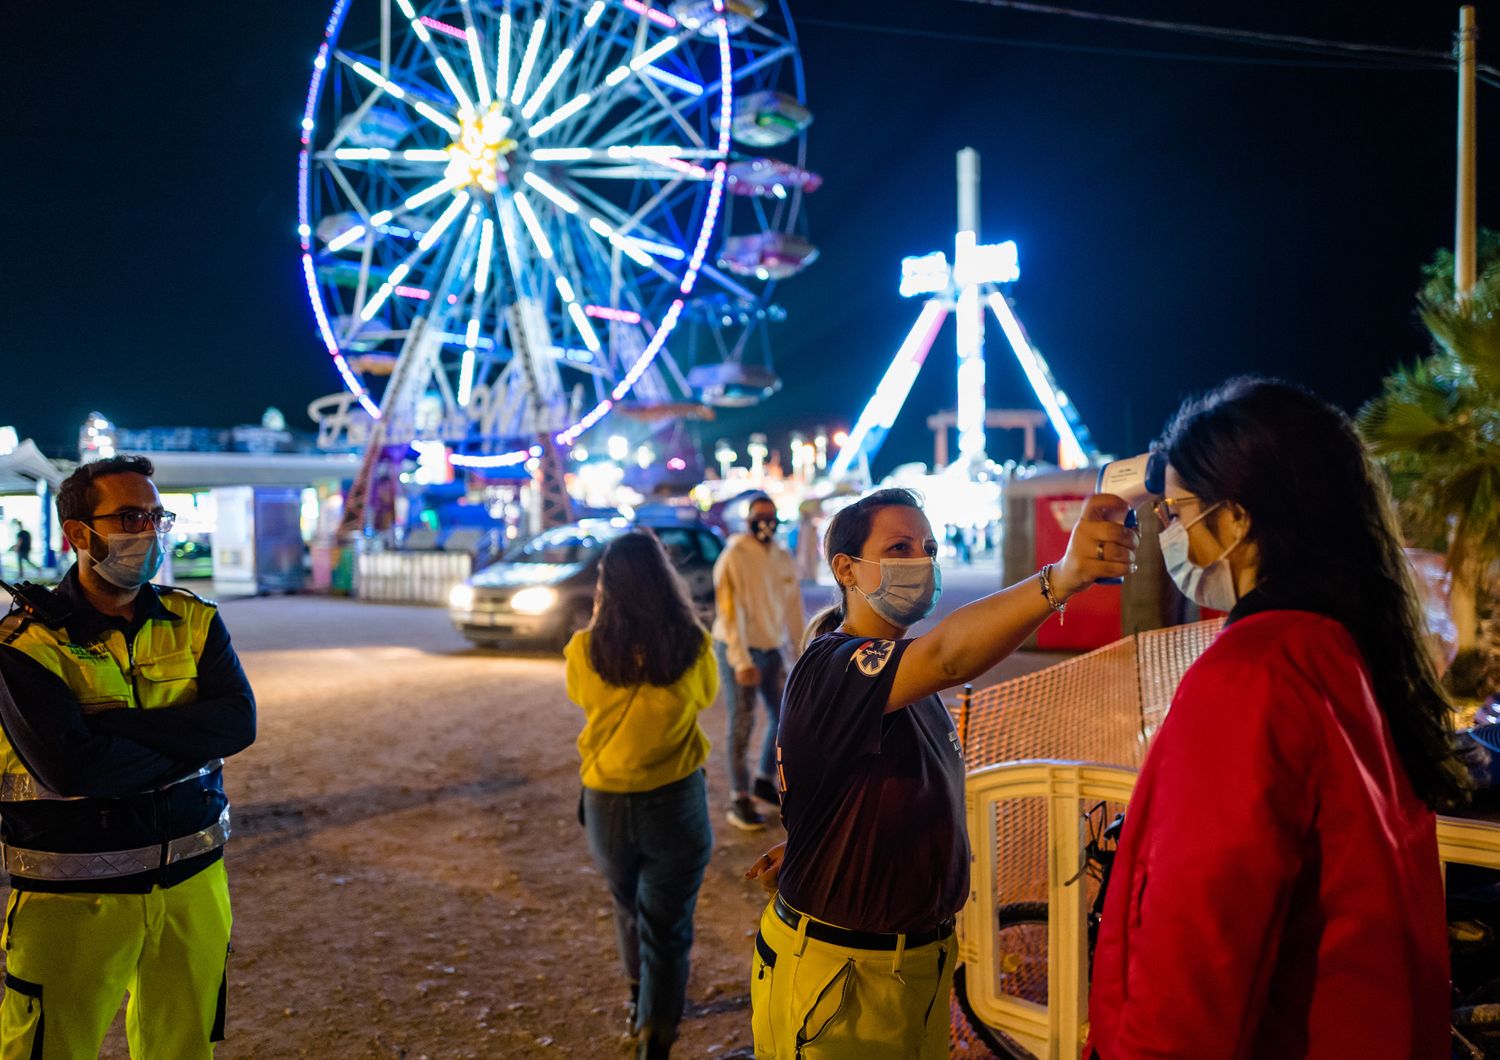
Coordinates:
858	940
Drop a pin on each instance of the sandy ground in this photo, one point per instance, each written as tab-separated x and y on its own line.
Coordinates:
408	873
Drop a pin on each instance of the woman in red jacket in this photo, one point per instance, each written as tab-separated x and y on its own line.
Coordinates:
1277	890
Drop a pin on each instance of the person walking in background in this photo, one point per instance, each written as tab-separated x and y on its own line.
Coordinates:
22	549
758	621
642	672
856	951
1277	890
118	704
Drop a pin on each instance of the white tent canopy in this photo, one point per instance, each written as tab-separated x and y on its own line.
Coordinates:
24	466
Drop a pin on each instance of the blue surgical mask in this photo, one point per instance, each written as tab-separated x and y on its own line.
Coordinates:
133	559
1211	586
908	591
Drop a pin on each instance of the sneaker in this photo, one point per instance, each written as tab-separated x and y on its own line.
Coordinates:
764	789
744	816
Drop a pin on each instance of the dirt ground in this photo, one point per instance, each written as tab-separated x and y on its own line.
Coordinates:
409	877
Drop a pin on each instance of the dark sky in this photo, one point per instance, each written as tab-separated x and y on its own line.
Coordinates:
1178	221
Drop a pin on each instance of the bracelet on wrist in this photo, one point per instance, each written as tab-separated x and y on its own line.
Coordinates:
1044	576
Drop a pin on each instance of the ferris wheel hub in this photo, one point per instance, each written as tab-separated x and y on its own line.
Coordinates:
480	155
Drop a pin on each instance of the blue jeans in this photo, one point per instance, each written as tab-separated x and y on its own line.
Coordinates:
739	705
652	847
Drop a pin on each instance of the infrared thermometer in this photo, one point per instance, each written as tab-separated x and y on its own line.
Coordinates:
1134	481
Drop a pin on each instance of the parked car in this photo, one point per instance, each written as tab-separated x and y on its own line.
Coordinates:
543	589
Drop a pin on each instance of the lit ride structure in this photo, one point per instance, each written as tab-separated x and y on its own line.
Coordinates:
973	281
518	216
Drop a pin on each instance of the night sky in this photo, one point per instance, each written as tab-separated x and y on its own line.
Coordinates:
1178	221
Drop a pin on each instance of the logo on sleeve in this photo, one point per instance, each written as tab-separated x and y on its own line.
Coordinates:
873	655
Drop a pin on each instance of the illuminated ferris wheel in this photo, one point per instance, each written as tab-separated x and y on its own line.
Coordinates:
517	216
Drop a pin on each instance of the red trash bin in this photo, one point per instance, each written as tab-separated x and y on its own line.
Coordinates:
1093	617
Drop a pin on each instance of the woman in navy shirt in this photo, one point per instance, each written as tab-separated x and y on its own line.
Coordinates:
856	951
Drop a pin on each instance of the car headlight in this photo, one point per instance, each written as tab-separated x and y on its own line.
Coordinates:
461	597
534	601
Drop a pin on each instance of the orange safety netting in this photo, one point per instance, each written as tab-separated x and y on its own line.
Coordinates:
1101	707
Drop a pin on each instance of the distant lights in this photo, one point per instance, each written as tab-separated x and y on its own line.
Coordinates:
661	18
623	316
443	27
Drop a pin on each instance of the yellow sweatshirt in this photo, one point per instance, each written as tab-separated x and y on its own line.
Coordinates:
638	739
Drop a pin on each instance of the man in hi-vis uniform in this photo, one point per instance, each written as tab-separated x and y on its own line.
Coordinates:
118	701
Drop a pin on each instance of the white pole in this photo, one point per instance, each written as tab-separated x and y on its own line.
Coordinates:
969	313
968	190
1464	273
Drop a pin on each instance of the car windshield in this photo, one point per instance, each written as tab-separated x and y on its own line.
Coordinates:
564	544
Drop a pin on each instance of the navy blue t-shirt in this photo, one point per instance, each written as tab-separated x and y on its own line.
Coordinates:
873	802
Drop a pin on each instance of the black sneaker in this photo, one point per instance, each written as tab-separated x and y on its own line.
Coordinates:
744	816
764	789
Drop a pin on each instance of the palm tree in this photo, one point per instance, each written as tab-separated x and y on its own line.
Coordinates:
1436	429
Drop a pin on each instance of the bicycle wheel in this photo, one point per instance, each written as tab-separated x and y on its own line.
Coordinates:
971	1036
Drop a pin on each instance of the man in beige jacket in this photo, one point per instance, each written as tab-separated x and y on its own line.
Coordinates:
757	627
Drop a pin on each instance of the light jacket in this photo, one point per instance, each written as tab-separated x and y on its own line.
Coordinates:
643	737
110	747
757	598
1277	890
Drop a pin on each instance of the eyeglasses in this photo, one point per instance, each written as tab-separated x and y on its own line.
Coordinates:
1166	508
134	520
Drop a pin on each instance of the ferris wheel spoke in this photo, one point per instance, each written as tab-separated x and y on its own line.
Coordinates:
476	55
400	272
632	226
600	96
444	69
643	123
528	58
398	91
563	61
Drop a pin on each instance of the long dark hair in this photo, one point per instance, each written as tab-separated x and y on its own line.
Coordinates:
847	533
1321	518
644	630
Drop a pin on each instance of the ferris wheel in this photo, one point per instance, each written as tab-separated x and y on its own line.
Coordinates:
517	216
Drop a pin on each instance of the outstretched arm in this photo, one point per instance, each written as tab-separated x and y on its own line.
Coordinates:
977	636
219	723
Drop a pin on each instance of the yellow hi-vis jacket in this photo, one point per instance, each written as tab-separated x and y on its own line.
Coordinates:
85	839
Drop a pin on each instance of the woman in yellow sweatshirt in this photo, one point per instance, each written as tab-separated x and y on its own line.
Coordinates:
642	672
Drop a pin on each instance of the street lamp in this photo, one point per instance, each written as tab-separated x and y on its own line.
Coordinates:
725	457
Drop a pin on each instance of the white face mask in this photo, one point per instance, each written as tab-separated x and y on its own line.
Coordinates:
1211	586
908	591
133	559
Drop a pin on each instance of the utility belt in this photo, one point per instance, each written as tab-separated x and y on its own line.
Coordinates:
104	865
859	940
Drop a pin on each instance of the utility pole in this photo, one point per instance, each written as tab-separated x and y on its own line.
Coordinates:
1464	275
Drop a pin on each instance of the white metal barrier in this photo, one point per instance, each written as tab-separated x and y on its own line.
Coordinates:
1057	1028
1060	1027
409	577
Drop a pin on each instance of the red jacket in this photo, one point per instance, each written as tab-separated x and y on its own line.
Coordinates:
1277	891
